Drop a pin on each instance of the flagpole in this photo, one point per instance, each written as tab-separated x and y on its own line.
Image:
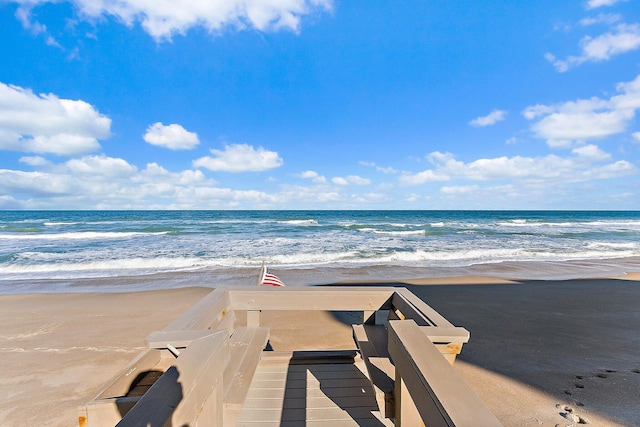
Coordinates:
262	274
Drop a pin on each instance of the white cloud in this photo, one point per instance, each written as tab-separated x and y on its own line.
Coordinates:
585	165
636	136
594	4
490	119
385	170
351	179
603	18
458	190
357	180
157	174
101	165
173	137
314	176
101	182
34	160
240	158
423	177
48	124
36	184
24	16
563	124
163	19
592	152
340	181
623	38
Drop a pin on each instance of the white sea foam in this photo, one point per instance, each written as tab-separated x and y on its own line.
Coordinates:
613	245
106	265
300	222
88	235
396	233
56	224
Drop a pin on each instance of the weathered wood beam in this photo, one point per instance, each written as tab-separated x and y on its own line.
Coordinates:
180	395
204	314
440	395
310	298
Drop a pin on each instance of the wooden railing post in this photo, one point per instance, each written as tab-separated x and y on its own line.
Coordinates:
406	412
253	318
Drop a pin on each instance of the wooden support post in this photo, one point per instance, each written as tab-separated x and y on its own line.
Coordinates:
406	412
253	318
382	317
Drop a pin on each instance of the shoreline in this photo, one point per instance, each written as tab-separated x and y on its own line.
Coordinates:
324	274
540	351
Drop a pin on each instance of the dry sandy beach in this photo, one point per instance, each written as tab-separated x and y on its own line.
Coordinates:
542	353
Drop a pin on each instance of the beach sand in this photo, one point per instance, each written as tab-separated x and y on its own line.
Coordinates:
550	353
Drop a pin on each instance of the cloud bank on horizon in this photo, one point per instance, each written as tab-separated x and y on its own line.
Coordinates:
315	104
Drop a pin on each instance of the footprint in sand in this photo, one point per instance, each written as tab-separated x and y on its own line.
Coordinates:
604	374
636	371
568	414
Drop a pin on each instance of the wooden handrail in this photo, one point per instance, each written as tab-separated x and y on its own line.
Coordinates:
440	395
310	298
179	396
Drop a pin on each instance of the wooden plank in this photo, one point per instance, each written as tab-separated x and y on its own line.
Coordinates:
446	334
310	298
121	382
319	375
245	348
205	313
409	311
307	357
180	394
321	401
319	423
328	415
267	366
179	339
226	322
104	412
414	308
201	366
157	406
439	393
372	342
311	394
256	393
301	384
253	318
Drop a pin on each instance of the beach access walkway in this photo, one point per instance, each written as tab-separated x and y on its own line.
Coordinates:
216	366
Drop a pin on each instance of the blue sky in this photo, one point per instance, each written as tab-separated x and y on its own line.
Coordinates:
319	104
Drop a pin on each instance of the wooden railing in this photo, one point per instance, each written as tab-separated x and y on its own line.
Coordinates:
427	387
191	355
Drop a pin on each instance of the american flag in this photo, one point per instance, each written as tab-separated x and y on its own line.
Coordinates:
269	279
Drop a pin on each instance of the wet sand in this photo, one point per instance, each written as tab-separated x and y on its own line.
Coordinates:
541	352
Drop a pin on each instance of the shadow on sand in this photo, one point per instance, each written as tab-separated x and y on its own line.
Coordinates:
558	336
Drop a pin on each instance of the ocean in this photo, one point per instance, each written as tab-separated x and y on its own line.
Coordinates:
59	251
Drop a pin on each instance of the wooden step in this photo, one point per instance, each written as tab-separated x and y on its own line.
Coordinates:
372	343
309	357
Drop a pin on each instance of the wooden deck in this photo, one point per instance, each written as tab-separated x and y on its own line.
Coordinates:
214	366
321	394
